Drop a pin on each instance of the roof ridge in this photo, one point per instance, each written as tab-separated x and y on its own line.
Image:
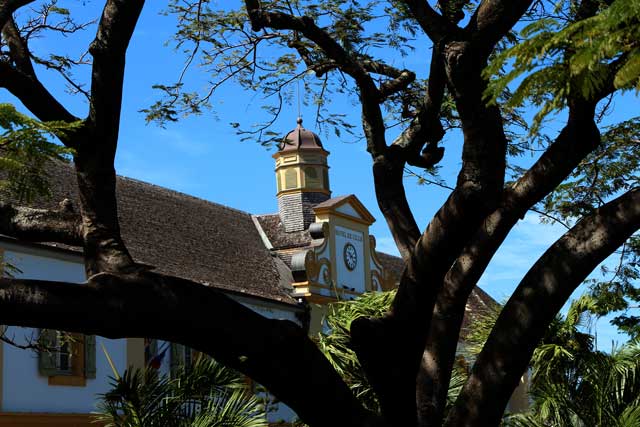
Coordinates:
179	193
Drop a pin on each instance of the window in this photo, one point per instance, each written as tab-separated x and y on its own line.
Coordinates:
290	179
68	359
182	357
311	178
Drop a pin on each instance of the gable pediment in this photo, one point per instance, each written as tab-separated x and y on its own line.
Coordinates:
345	206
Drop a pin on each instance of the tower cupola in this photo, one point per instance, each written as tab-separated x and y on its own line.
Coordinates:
302	177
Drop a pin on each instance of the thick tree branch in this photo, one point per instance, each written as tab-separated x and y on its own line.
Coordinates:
261	19
399	79
425	128
18	49
388	174
401	335
388	170
108	49
276	353
493	19
21	79
41	225
532	307
8	7
579	137
370	95
432	23
32	93
103	246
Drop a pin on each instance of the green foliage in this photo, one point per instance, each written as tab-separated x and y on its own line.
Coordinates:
618	292
25	146
571	383
558	59
594	389
611	169
221	42
207	395
335	344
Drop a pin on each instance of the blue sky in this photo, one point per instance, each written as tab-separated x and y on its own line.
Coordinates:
203	156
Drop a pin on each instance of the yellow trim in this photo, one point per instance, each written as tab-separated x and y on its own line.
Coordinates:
1	367
68	380
331	288
320	299
29	419
135	353
355	203
2	329
307	287
77	378
302	151
304	190
326	212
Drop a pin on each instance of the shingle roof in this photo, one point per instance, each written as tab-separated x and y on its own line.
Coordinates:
279	238
198	240
188	237
479	301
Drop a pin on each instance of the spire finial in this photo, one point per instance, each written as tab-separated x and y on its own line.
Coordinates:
299	121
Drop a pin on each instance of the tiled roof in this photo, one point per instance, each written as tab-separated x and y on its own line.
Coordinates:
205	242
188	237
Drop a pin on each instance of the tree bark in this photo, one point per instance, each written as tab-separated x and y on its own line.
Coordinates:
539	296
41	225
276	353
578	138
103	246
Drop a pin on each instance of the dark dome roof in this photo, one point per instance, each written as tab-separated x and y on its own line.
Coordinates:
300	138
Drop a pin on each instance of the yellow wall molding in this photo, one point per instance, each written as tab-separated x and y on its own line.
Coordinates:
355	204
28	419
1	367
68	380
303	190
305	289
321	213
2	329
77	375
135	353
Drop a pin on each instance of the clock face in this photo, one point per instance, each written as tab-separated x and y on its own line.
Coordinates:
350	256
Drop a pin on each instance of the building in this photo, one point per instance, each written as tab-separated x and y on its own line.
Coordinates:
286	265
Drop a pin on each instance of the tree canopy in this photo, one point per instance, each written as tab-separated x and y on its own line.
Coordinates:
488	65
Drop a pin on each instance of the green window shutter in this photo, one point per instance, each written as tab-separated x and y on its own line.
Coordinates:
177	358
89	356
47	358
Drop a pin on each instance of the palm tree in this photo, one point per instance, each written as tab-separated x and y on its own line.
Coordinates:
572	384
600	389
206	395
335	343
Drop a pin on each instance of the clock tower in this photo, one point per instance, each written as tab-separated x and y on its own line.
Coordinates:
325	241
